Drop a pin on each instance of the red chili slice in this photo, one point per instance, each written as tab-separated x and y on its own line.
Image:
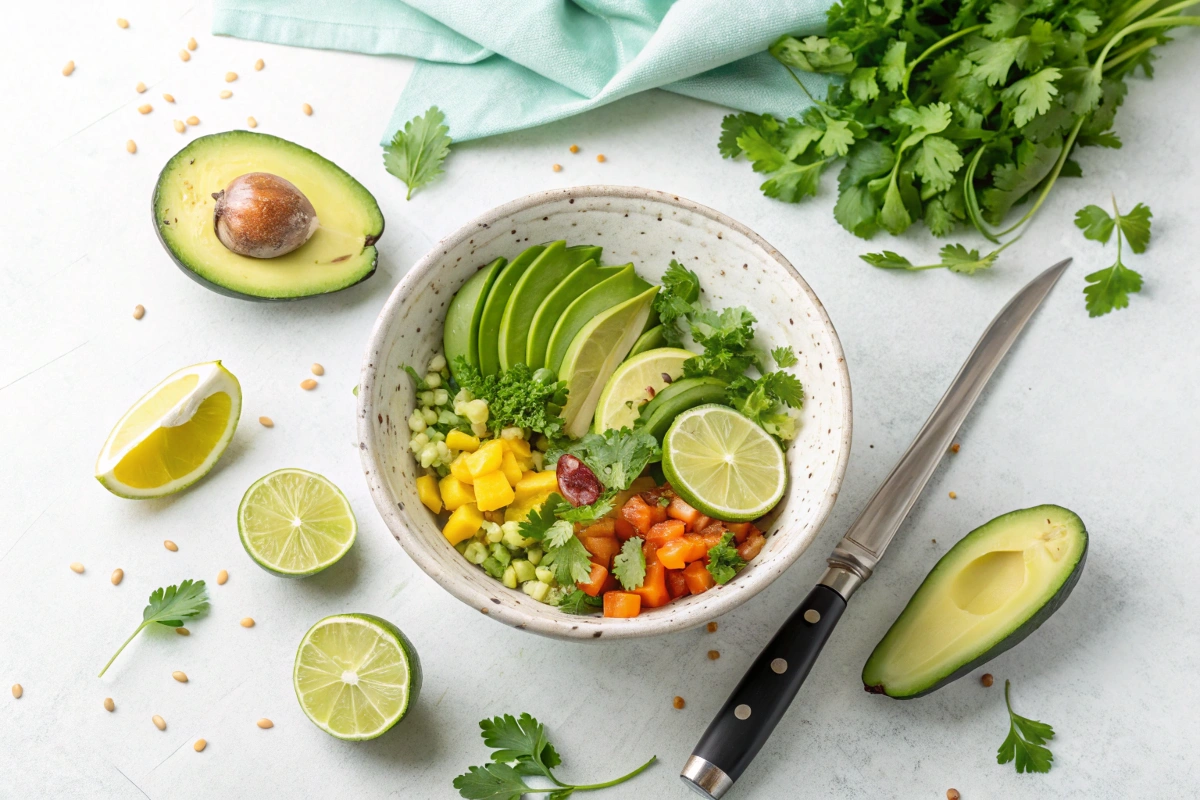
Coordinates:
576	481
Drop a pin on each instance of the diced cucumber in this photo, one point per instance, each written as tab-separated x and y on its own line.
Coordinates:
510	577
476	553
462	546
534	554
536	589
501	554
494	532
525	570
513	539
492	567
545	575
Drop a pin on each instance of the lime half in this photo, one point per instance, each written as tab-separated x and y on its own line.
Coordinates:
723	464
635	383
295	523
356	675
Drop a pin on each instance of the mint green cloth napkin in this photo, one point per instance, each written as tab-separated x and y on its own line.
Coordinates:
495	66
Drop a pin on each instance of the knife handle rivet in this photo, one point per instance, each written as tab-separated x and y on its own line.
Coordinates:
812	616
779	666
742	711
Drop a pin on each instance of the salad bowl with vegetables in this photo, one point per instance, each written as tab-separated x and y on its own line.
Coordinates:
604	412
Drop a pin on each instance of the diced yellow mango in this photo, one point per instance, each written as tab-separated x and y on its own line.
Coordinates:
518	447
539	483
463	523
455	493
526	475
492	491
427	490
458	468
486	459
517	513
457	440
510	468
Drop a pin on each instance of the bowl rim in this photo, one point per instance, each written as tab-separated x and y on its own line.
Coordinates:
587	628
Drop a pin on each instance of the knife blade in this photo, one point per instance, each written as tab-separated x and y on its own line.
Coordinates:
758	702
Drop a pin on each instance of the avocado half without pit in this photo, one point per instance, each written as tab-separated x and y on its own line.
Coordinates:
257	217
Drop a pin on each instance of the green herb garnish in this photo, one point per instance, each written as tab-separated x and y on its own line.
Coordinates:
1109	289
1025	741
416	153
170	607
579	602
674	301
521	749
617	457
517	397
629	565
724	560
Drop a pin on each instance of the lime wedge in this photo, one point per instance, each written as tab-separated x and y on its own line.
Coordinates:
356	675
635	383
174	435
723	464
594	354
295	523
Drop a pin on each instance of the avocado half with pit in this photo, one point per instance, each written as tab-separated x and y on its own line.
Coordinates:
339	254
990	591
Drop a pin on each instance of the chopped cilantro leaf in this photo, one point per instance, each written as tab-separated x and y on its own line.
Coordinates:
723	560
629	565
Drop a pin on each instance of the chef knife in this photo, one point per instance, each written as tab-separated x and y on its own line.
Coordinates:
748	717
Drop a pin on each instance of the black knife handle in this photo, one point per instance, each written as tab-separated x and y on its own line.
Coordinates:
746	721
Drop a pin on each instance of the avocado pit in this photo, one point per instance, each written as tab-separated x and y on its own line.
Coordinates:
262	215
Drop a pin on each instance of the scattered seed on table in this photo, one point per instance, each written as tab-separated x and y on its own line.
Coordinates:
307	109
139	310
192	43
952	794
230	77
258	65
159	722
167	543
954	448
317	369
200	745
986	679
265	723
145	108
222	576
574	148
193	120
308	384
109	705
141	87
179	676
183	631
713	655
678	702
76	567
69	68
122	22
266	422
953	496
601	158
251	122
131	147
17	691
557	168
170	98
179	126
117	576
247	622
712	627
226	94
184	55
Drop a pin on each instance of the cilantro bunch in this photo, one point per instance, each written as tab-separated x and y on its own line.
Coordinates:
951	113
517	397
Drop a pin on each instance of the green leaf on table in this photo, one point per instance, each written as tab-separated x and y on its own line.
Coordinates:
171	607
1025	743
416	152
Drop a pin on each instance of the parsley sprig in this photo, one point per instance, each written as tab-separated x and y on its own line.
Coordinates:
1109	289
169	607
724	560
629	565
416	153
565	554
517	397
1025	742
521	749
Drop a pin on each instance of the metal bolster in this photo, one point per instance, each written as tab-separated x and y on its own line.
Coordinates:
705	778
848	568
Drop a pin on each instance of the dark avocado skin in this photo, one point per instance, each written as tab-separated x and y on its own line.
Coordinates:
1012	640
225	291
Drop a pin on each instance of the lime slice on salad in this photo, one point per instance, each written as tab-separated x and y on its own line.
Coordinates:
356	675
174	435
635	383
295	523
723	464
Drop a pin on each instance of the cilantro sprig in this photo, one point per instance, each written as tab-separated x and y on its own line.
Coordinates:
565	554
1109	289
521	749
169	607
617	457
416	153
1025	743
629	565
724	560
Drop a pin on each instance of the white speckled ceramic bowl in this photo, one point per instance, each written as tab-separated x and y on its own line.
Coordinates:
649	228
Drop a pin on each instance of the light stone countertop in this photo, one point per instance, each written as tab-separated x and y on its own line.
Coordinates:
1098	415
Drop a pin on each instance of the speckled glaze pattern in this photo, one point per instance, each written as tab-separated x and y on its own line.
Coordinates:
649	228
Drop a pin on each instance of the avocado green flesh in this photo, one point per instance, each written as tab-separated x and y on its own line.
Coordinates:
610	292
990	591
460	335
651	339
340	253
493	309
656	417
582	253
546	272
582	278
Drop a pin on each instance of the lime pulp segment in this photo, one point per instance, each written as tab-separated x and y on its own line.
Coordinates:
294	522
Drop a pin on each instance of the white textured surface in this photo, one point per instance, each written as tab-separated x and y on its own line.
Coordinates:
1097	415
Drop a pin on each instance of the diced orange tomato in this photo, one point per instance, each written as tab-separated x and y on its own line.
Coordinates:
624	530
622	604
657	514
638	514
682	511
676	583
751	547
701	523
602	548
653	590
595	583
650	552
664	532
698	547
698	578
712	536
611	584
673	555
740	530
601	527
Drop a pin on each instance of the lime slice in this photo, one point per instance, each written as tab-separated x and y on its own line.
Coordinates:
174	435
723	464
635	383
356	675
295	523
594	354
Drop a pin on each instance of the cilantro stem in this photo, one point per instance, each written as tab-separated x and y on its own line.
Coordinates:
589	787
1130	52
135	633
933	48
1117	227
1150	22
